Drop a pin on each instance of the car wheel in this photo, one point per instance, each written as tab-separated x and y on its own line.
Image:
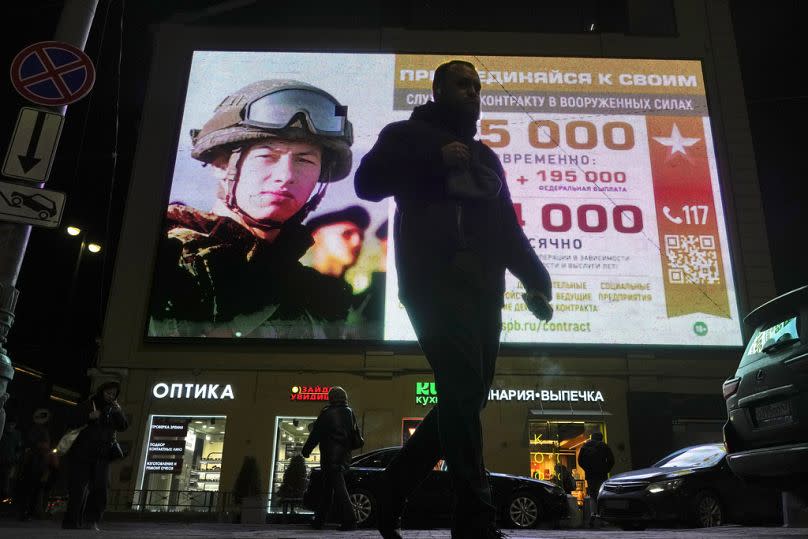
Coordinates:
523	511
16	201
364	507
43	215
632	526
707	510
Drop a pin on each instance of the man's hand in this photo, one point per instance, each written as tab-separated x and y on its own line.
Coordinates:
456	154
95	414
538	304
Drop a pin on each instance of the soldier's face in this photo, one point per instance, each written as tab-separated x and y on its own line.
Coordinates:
277	177
342	241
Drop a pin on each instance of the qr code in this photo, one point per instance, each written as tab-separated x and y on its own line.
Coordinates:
692	259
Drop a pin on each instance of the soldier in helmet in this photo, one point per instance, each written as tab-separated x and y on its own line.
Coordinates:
338	239
274	146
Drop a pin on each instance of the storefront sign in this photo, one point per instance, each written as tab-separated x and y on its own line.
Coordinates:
173	467
166	447
546	395
426	393
169	427
309	393
163	390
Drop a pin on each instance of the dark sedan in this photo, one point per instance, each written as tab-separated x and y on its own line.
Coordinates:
692	486
521	502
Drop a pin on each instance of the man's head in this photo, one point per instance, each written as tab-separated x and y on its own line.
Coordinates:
337	395
270	143
338	238
597	436
109	391
457	86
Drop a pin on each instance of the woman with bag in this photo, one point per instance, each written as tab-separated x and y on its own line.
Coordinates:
90	454
337	433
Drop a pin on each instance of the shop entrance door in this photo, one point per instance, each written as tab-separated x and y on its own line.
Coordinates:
555	443
290	435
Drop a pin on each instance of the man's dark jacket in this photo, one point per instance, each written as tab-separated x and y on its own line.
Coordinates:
434	221
332	430
596	458
93	443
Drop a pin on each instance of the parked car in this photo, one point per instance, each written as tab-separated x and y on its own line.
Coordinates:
521	502
692	486
767	400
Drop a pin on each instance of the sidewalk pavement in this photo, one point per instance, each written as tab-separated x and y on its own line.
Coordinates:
130	530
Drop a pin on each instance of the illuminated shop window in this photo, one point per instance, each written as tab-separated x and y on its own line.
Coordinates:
182	463
290	435
558	442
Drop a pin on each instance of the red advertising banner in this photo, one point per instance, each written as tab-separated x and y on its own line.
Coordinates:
690	252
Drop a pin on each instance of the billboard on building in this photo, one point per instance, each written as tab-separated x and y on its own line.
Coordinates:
610	164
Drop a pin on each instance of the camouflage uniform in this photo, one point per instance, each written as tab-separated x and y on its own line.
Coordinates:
214	278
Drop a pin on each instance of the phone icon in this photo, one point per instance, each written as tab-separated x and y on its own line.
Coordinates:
667	211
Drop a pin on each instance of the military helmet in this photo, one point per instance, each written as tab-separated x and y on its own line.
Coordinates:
282	108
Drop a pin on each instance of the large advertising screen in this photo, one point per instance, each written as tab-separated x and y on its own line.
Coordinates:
610	164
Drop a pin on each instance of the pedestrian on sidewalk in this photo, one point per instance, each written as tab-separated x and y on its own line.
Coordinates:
455	233
90	455
597	460
336	432
35	467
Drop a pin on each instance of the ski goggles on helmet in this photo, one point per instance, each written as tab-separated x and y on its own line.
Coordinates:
278	109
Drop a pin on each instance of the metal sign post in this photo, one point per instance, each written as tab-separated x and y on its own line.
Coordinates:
73	28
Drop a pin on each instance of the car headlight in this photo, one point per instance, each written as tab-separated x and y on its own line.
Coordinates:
600	490
664	486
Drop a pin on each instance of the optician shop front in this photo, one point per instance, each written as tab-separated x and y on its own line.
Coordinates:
191	431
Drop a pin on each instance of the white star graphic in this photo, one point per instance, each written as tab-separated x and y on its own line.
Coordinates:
676	141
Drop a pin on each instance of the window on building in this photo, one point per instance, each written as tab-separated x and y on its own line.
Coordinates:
182	463
290	435
555	442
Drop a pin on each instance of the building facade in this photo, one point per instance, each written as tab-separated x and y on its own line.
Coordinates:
199	408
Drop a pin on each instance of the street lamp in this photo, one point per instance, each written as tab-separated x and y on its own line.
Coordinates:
90	246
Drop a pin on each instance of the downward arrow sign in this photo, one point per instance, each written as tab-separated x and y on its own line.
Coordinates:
30	154
29	160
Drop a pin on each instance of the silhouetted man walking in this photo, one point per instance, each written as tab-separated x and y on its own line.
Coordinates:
455	234
597	460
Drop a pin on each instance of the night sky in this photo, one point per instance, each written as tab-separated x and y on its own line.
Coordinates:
57	335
